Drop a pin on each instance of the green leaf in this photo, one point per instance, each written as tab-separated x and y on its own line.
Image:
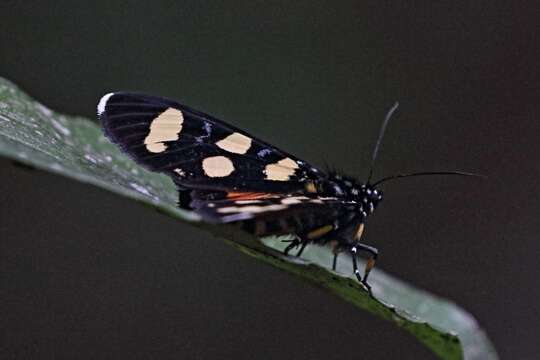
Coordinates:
75	147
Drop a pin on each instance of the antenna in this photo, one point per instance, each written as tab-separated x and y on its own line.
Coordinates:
397	176
379	139
393	177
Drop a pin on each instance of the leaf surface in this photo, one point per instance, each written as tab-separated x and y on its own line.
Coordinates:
75	147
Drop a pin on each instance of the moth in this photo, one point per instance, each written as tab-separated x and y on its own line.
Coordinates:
229	176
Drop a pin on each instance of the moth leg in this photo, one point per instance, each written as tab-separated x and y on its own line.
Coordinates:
335	250
334	262
369	264
293	243
302	247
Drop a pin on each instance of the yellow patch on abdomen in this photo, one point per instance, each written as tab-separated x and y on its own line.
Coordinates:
317	233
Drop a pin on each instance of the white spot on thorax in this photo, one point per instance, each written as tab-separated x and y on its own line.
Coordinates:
103	102
217	166
282	170
165	127
235	143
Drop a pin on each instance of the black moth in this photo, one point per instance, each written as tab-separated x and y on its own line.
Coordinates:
227	175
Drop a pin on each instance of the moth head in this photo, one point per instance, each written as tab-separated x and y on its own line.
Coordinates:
370	197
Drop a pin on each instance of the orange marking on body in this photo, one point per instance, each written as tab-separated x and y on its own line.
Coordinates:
317	233
248	195
359	232
310	187
369	265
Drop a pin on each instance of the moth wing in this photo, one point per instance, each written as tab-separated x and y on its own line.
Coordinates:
197	150
277	214
302	211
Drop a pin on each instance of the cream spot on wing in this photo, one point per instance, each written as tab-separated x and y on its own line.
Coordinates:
165	127
235	143
282	170
103	102
293	200
251	209
321	200
243	202
217	166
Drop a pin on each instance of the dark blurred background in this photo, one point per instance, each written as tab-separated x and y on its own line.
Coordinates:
87	274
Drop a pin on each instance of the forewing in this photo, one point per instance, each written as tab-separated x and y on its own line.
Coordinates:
197	150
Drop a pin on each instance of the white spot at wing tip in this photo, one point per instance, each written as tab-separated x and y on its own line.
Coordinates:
103	102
